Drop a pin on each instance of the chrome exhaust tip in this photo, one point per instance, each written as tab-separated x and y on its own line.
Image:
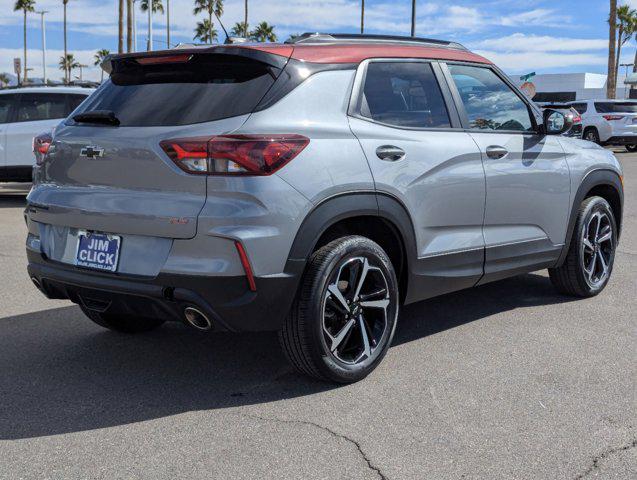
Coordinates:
197	319
37	284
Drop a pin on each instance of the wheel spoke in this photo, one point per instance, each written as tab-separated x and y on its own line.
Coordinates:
591	266
384	303
597	225
366	346
588	244
336	293
603	263
338	339
361	279
606	236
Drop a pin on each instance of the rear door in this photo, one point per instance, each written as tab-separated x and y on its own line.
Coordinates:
7	108
116	178
417	152
527	177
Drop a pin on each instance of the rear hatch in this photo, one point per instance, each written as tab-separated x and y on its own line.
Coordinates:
622	116
106	171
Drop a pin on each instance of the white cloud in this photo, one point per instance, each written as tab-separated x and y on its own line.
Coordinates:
541	43
527	61
537	17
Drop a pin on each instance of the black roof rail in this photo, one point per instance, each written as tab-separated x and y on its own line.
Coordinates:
324	38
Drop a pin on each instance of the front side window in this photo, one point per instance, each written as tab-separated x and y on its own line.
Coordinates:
404	95
6	102
41	106
489	102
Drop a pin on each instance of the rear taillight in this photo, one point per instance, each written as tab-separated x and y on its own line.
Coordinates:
577	119
41	144
234	154
613	117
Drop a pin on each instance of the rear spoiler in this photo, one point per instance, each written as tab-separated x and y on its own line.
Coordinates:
273	55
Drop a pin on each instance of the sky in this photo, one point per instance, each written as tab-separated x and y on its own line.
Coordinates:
543	36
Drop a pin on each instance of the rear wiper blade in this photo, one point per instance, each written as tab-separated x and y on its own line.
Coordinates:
106	117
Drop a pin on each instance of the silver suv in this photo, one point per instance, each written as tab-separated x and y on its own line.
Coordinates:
311	188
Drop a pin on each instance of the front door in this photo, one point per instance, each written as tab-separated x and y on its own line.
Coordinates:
417	152
527	177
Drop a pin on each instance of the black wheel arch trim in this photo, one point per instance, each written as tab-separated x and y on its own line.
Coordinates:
350	205
595	178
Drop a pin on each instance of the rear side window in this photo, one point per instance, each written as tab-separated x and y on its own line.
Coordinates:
6	105
74	102
404	95
616	107
490	103
41	106
580	107
205	88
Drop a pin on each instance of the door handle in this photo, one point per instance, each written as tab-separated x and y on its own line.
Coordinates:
496	152
390	153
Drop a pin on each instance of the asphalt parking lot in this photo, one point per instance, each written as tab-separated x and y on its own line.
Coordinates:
509	380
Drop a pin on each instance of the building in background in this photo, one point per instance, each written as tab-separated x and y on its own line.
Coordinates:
565	87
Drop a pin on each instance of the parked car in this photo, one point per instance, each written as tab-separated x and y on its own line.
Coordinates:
576	129
609	122
311	188
26	112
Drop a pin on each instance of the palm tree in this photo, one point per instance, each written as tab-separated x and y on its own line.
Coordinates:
245	19
611	80
26	6
627	23
362	16
240	29
68	63
129	25
168	23
157	7
205	32
66	74
263	33
120	27
4	80
212	7
99	57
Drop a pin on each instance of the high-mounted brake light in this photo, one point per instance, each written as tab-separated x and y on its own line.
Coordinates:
613	117
235	154
41	144
157	60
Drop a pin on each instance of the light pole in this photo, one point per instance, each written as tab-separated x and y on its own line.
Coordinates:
41	13
626	76
81	66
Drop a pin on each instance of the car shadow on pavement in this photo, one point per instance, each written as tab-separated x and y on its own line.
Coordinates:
9	200
59	373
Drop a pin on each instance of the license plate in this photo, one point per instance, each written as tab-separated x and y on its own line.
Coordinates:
98	251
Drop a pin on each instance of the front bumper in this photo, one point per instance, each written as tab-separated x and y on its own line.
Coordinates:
227	301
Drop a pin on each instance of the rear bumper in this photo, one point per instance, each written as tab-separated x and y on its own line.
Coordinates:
227	301
622	140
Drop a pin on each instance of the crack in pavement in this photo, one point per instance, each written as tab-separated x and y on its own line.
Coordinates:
602	456
370	464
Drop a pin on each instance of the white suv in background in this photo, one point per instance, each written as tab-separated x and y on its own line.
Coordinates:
609	122
25	113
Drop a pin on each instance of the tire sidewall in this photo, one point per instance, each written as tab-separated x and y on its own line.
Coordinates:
344	249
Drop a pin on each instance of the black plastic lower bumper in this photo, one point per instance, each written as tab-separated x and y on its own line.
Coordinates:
227	301
623	140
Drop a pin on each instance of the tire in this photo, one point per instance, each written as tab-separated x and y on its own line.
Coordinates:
332	333
591	135
584	273
122	323
631	148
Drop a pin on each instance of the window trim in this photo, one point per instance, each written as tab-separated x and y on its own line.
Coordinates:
19	103
533	111
12	108
356	98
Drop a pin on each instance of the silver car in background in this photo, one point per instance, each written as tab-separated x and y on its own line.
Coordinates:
311	188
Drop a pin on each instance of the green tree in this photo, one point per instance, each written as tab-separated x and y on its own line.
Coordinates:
99	57
4	80
26	6
626	25
263	32
68	63
211	7
205	32
240	29
611	79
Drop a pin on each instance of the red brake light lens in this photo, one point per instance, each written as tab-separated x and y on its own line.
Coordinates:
161	59
235	154
613	117
41	144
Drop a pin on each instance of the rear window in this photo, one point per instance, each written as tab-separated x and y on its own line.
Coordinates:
616	107
206	88
41	106
580	107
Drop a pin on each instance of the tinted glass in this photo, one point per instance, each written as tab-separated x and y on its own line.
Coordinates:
490	103
74	102
616	107
6	102
580	107
404	95
41	106
207	87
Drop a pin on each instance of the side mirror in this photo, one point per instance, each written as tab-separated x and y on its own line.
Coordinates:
556	123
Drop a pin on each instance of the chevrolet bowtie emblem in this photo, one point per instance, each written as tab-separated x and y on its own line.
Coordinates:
91	151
